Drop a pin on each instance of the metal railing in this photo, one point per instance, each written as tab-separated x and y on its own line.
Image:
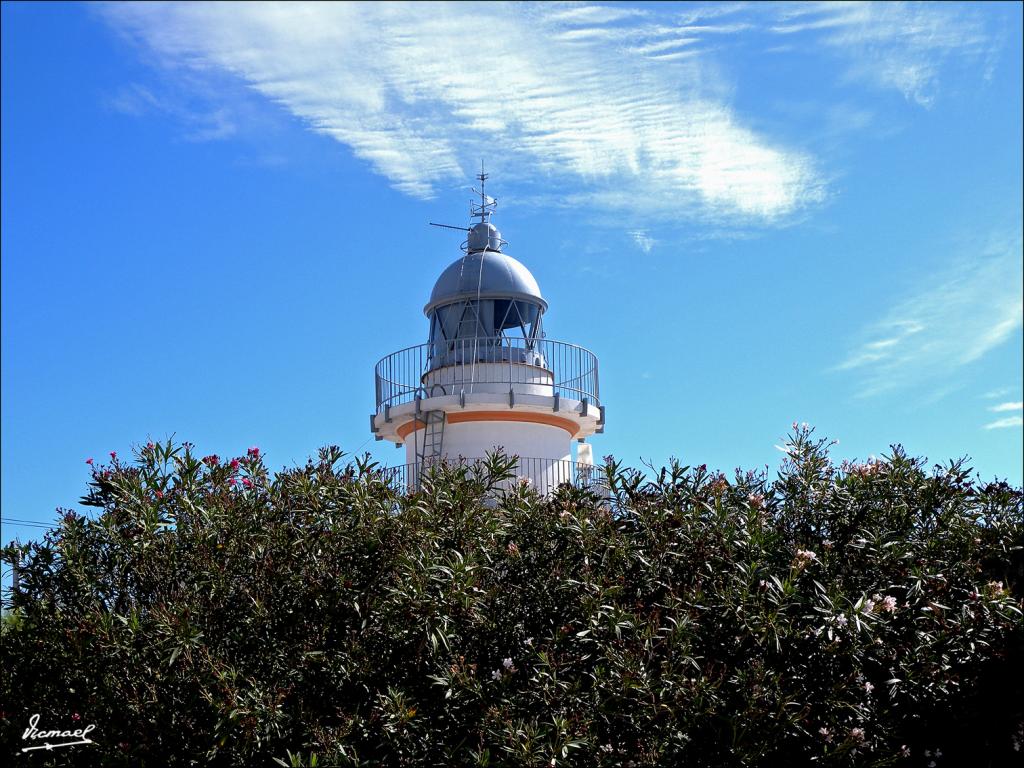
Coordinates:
545	475
468	365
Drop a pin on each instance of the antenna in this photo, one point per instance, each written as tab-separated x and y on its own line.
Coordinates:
483	236
487	204
449	226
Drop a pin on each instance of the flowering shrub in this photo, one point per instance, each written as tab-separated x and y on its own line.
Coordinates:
865	614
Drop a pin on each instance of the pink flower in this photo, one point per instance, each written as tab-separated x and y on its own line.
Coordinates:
247	482
159	494
89	462
804	557
212	460
232	481
254	452
234	464
857	734
826	734
76	716
889	604
113	455
149	446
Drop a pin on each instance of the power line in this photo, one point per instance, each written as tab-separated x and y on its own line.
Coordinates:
29	523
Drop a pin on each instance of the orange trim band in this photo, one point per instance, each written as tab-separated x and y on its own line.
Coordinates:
534	418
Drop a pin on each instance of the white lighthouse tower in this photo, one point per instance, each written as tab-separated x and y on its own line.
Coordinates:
488	376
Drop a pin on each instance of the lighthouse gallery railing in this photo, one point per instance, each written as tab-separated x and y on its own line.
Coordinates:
401	377
545	475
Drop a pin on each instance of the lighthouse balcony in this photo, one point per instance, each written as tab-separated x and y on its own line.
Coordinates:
506	366
543	475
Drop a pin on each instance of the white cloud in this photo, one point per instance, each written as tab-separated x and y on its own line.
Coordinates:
995	394
594	14
422	91
955	319
892	44
201	125
1003	407
1010	421
643	241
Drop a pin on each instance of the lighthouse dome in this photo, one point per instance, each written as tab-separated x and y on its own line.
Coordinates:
486	275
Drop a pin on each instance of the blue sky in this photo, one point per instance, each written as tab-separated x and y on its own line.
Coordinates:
215	221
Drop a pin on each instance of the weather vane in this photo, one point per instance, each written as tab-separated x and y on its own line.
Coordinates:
484	210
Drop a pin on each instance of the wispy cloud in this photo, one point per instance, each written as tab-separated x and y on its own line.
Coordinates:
643	241
200	125
995	394
955	319
421	91
1003	407
894	45
1008	422
594	14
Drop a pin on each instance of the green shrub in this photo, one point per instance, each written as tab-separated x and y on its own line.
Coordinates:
865	614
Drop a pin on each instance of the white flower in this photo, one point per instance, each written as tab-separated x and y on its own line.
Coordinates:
904	751
840	620
889	604
529	641
496	674
868	607
869	687
507	663
606	747
857	734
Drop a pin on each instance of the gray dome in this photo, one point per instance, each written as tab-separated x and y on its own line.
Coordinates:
487	273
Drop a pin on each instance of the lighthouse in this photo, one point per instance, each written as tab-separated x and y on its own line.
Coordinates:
488	377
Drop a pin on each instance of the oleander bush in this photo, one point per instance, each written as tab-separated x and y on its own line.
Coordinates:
212	613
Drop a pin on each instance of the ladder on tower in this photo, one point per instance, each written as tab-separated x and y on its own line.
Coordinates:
431	448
